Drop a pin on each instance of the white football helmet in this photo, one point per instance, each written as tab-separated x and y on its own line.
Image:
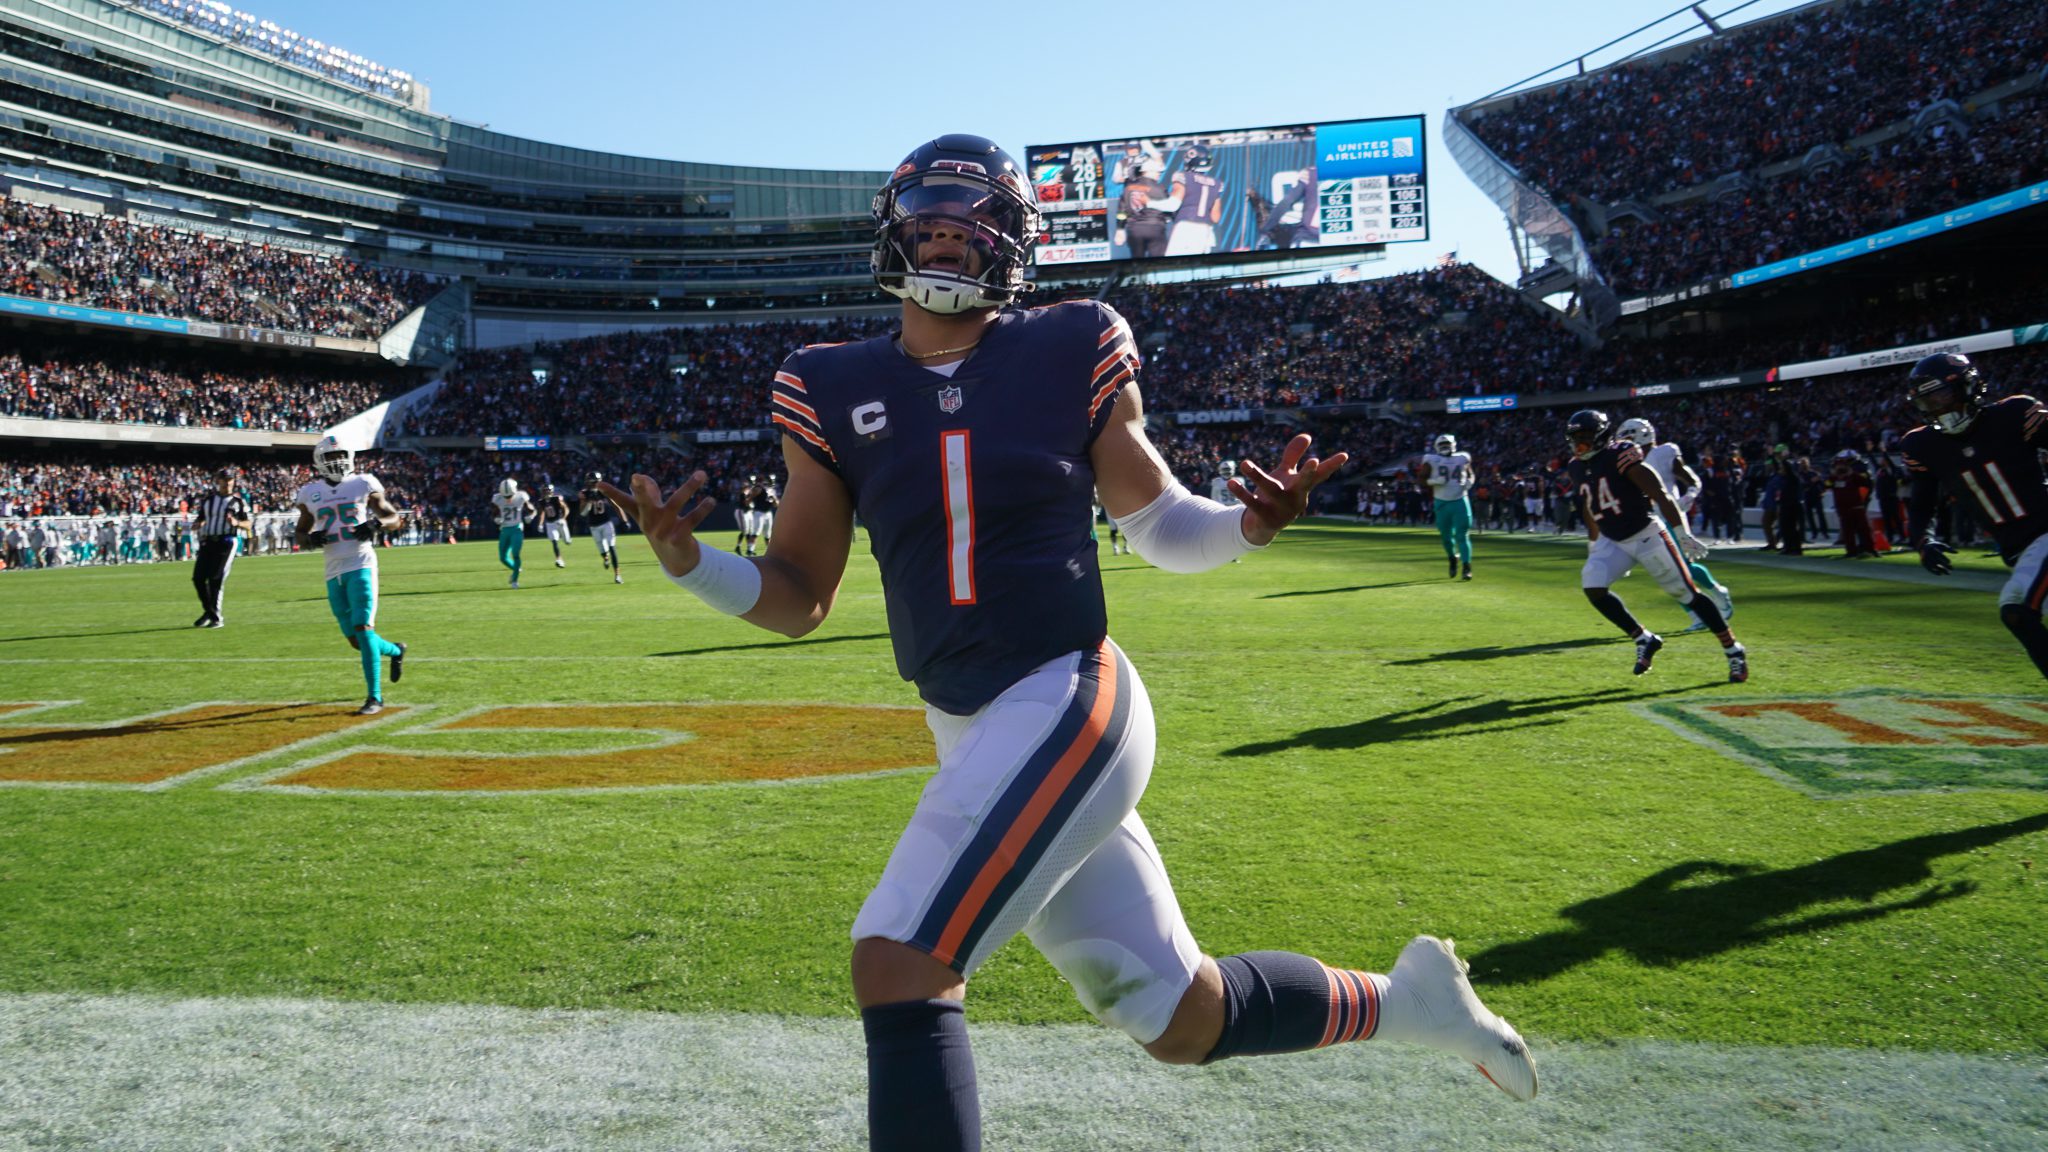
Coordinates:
1228	467
508	487
1445	444
331	461
1638	432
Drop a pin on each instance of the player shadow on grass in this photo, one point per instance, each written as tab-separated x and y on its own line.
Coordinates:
87	635
173	725
1429	722
773	644
1352	588
1701	908
1496	653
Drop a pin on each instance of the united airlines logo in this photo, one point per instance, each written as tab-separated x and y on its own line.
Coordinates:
950	399
1875	740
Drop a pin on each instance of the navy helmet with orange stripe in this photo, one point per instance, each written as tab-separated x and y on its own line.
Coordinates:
1947	391
954	226
1587	431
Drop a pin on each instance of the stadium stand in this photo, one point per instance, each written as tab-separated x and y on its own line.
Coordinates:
76	258
47	378
1760	93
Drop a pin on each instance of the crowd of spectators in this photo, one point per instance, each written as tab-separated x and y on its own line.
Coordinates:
1900	181
638	381
112	384
1451	331
1761	93
107	262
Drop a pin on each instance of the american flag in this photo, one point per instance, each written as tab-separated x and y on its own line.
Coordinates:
1447	260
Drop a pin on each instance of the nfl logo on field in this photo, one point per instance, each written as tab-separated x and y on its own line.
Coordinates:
950	399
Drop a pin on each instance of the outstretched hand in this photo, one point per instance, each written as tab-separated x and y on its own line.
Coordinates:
670	525
1276	499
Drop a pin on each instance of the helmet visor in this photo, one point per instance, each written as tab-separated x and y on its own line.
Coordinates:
1937	398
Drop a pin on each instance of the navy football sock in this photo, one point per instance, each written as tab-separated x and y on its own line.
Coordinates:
1611	607
921	1089
2026	627
1287	1002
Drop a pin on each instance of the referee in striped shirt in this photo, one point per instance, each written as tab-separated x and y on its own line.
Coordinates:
221	518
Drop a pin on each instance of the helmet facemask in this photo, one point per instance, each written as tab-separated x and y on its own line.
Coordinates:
950	241
332	461
1946	403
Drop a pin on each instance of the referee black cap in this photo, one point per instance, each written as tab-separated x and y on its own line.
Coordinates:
224	474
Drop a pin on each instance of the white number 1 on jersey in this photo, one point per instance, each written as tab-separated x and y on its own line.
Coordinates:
958	489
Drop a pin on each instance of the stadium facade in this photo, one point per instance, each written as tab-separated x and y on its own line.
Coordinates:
120	108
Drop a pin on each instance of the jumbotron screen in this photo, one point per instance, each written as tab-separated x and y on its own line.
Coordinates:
1304	186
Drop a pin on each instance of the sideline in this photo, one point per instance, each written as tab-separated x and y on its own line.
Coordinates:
133	1071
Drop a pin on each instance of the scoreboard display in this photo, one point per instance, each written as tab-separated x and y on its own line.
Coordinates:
1316	187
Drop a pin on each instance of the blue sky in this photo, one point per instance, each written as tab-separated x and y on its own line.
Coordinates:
814	85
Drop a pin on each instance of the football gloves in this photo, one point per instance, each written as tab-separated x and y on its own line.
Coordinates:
1691	545
367	530
1934	556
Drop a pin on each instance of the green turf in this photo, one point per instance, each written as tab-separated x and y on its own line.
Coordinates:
1352	750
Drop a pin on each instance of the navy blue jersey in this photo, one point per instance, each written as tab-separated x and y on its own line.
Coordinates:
600	507
1997	461
1198	196
975	489
1601	480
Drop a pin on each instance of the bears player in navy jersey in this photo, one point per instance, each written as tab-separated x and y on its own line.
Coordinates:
969	442
1991	451
1622	498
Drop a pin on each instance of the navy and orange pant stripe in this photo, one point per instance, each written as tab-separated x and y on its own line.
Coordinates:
1033	809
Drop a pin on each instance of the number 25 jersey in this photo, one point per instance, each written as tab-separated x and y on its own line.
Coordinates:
337	509
975	488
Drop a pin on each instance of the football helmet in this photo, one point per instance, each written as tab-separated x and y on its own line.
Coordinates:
1587	431
596	478
1947	391
547	489
1151	168
332	461
1197	158
954	227
508	487
1444	445
1637	431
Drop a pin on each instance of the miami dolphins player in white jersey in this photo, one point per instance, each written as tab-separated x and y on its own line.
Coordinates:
513	509
1450	475
341	511
1668	462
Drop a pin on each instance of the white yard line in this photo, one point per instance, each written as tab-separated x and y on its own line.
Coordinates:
139	1072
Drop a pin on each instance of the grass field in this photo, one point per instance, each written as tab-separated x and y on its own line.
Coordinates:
1833	871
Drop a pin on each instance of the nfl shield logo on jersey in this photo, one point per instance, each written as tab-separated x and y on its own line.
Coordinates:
950	399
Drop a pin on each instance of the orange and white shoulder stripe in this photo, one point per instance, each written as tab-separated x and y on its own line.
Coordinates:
789	411
1117	366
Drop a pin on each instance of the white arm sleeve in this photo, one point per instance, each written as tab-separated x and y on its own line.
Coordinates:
1183	532
729	583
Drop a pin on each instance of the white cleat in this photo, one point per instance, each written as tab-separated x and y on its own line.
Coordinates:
1451	1018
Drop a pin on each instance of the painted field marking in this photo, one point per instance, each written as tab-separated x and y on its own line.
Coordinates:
1876	740
159	750
685	745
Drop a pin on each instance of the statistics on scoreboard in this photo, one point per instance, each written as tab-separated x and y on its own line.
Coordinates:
1310	187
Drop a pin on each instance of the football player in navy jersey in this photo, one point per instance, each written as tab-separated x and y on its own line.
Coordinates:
1992	451
969	442
1622	499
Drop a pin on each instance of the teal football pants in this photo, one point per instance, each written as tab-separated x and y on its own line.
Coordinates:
1454	528
353	598
510	541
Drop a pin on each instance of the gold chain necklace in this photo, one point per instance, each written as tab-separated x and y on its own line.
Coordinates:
940	352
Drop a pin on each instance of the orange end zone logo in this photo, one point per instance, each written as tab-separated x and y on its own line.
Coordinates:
1875	740
522	748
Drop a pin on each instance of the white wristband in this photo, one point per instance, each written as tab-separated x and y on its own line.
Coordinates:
727	582
1183	532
